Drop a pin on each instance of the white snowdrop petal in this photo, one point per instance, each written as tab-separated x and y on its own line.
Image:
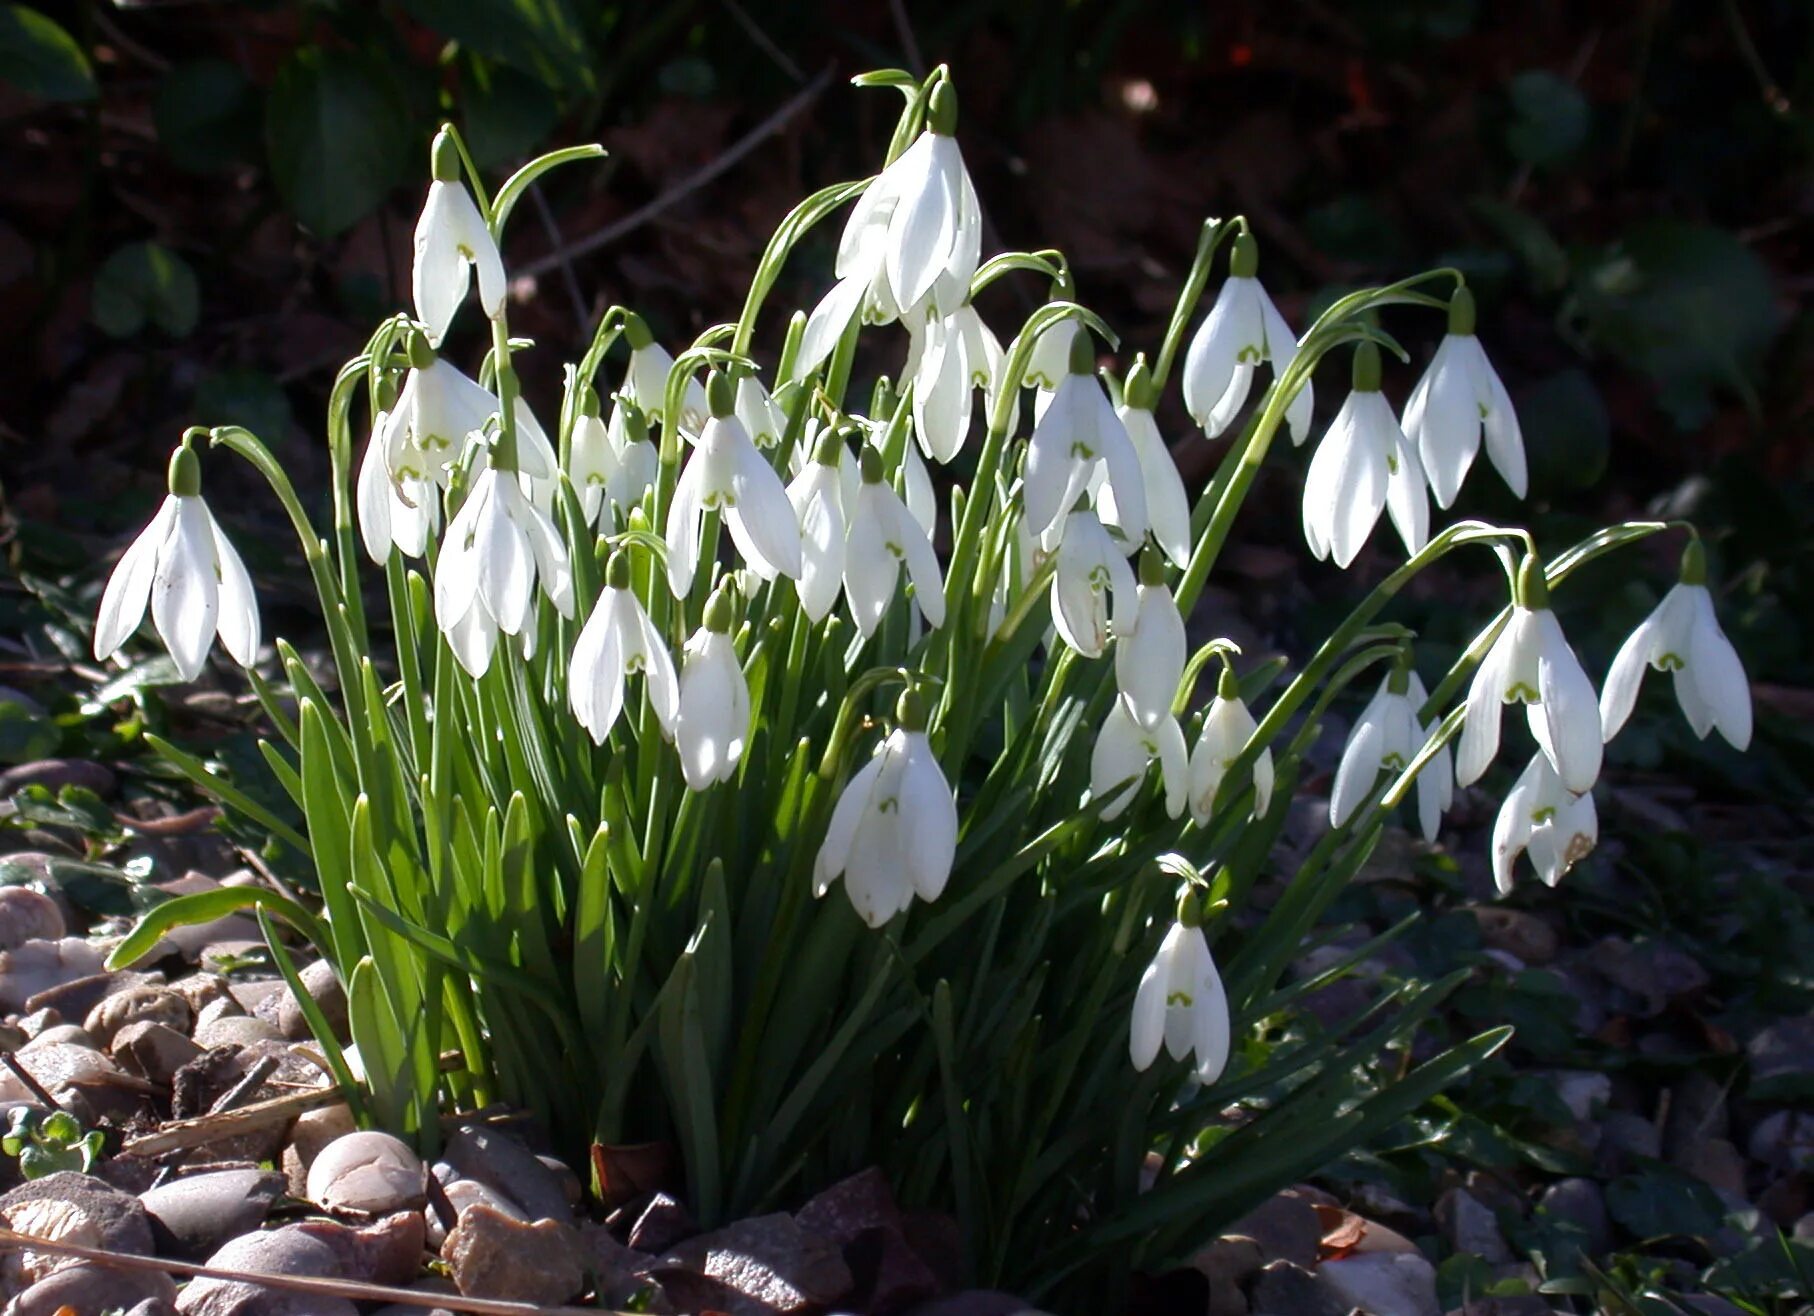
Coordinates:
185	592
128	589
239	627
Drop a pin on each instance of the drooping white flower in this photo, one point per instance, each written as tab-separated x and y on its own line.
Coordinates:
1683	637
911	244
1363	464
646	381
882	535
1545	819
1458	398
714	718
817	495
1242	330
591	463
893	834
395	510
1150	650
1167	506
1532	664
950	358
637	461
618	641
1080	431
1123	749
1227	727
498	548
1181	1002
726	473
436	411
190	574
451	240
1089	574
1386	737
761	417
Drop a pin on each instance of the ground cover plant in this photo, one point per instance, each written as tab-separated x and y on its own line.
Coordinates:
931	879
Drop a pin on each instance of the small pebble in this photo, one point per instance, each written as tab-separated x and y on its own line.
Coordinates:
367	1171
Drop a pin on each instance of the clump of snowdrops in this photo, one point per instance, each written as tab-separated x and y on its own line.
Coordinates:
815	777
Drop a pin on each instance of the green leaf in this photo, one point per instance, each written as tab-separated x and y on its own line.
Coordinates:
249	398
25	735
206	113
1550	117
518	183
338	136
205	907
506	112
143	282
41	59
1660	1201
542	37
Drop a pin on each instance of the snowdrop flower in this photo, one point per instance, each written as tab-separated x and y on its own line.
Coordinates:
893	834
1125	746
912	241
1386	737
714	717
949	360
1181	1001
1545	819
189	573
1683	636
817	495
765	421
882	535
1149	651
726	473
452	239
1532	664
646	381
1458	397
617	641
591	458
498	547
399	510
637	461
1227	727
1243	329
1090	569
437	410
1079	431
1167	507
1363	464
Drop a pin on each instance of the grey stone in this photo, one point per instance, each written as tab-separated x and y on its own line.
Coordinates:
1516	932
28	915
1782	1060
1581	1203
1283	1288
768	1258
194	1215
387	1251
497	1160
1582	1092
74	975
60	1034
1285	1226
55	774
137	1003
1228	1263
153	1051
201	988
662	1224
367	1171
461	1195
329	997
286	1251
1385	1283
67	1207
1471	1226
58	1067
494	1255
1653	972
235	1030
1625	1138
91	1288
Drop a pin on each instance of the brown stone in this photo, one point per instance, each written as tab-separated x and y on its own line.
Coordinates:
494	1256
771	1259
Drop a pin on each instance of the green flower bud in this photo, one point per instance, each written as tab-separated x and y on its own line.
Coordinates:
941	109
617	571
1532	590
1461	311
1366	367
636	331
910	710
1694	563
444	157
1138	390
421	355
1083	352
1227	687
1245	262
185	472
721	610
871	461
1190	909
1152	566
720	395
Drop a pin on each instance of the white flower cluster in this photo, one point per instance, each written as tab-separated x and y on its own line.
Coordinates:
1099	508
